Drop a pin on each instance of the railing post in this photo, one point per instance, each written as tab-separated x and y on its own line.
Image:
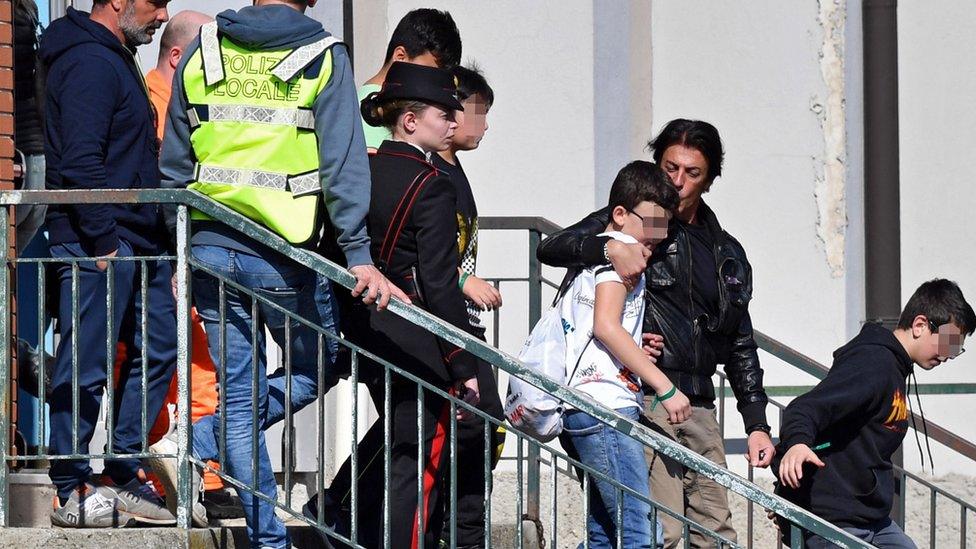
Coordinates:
535	312
5	348
184	426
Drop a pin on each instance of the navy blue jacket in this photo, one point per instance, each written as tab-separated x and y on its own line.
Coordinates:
100	135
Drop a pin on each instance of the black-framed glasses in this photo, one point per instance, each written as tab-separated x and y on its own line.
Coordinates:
650	222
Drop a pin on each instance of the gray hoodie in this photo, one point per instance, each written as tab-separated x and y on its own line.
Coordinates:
343	164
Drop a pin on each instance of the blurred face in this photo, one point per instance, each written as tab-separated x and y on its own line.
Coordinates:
647	223
430	129
472	123
140	19
688	170
936	344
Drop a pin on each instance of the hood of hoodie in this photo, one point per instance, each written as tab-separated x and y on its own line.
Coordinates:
72	30
876	335
269	27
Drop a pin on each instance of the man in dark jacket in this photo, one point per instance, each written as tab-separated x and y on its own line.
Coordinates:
699	284
850	424
100	134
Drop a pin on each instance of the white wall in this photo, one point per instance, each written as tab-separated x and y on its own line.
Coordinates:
937	81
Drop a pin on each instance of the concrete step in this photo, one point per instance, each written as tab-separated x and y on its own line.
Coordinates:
31	494
142	538
303	537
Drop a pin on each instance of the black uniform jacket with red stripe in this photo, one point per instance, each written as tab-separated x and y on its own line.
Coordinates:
413	228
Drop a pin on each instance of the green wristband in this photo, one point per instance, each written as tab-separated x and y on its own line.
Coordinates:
462	280
669	394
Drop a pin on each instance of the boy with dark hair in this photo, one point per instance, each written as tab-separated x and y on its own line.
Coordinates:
602	319
851	423
424	37
476	97
699	286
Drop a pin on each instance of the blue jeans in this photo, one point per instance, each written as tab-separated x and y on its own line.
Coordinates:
294	288
92	359
884	534
621	458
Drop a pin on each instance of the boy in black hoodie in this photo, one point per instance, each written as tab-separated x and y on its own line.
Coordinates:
837	440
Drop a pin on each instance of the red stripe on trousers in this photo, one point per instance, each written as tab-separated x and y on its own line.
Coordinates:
432	470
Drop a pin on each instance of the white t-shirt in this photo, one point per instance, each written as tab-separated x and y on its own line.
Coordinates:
590	367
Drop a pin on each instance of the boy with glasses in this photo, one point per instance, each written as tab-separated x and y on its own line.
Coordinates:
837	440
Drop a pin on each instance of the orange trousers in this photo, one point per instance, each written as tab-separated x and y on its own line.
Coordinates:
203	392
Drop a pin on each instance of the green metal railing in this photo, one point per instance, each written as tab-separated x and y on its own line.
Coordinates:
538	454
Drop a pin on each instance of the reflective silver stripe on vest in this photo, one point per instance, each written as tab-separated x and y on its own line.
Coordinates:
299	185
302	118
302	57
305	184
213	63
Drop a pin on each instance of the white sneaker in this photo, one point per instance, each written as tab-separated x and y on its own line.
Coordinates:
138	499
165	468
90	506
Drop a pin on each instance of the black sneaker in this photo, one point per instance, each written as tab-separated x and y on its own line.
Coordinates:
222	504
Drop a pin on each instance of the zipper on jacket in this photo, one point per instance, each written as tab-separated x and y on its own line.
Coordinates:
723	298
694	317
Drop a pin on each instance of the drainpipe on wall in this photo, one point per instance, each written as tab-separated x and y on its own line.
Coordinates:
882	224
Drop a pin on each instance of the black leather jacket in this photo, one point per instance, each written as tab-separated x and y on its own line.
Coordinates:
693	347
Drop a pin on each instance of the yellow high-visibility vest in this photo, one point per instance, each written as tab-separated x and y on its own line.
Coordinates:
253	131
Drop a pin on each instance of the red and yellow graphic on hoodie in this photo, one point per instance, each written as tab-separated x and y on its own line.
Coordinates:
897	420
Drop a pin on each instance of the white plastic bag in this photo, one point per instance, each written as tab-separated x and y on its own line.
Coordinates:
528	408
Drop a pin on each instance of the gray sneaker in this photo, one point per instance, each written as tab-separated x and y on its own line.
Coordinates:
165	469
138	500
90	506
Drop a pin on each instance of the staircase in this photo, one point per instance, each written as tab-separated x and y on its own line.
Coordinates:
526	507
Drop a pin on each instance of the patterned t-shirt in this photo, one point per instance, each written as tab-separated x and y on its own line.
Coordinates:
467	220
590	367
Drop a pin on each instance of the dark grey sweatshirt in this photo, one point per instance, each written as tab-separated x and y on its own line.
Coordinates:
343	164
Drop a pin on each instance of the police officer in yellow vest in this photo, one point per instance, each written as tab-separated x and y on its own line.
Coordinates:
265	120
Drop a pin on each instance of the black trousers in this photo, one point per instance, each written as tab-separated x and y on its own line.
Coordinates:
408	498
470	521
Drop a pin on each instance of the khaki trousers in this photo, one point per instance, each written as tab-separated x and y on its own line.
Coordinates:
683	490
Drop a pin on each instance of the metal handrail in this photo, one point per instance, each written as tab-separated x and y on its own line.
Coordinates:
800	518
